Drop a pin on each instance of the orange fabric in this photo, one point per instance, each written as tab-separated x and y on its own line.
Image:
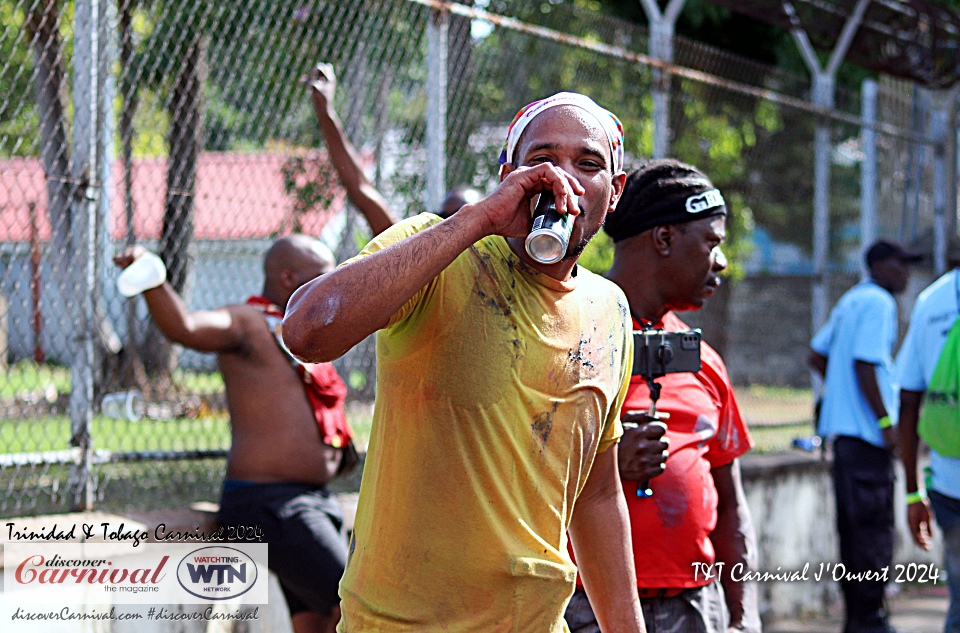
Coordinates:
325	390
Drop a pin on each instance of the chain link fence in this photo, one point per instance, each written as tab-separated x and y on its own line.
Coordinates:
185	126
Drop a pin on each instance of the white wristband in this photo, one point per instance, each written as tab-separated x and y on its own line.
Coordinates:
146	272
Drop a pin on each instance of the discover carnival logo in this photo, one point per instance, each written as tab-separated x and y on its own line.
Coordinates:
150	573
217	573
36	569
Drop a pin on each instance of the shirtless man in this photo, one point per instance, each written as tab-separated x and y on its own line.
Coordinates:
285	444
279	462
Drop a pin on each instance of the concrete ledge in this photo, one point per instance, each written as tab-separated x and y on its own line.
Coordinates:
792	502
771	464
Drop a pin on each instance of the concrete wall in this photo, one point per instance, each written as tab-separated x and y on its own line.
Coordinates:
793	507
791	503
762	328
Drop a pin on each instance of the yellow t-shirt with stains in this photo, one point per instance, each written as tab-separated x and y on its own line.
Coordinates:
496	388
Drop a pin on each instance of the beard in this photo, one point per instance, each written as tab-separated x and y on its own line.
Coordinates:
575	249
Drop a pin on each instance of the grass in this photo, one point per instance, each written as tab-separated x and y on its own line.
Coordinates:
201	433
360	417
194	382
53	433
775	416
32	382
777	438
763	406
25	378
46	489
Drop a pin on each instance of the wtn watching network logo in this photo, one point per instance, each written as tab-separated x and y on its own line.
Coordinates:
217	573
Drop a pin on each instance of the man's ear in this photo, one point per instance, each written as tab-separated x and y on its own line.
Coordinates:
505	170
662	237
618	182
287	278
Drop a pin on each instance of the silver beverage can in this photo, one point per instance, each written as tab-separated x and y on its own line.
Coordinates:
550	233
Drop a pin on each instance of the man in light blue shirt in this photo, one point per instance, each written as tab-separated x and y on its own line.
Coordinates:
854	353
934	313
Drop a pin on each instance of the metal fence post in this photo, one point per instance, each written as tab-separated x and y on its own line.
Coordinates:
107	56
952	166
438	28
823	96
661	47
938	124
868	168
662	27
944	177
85	89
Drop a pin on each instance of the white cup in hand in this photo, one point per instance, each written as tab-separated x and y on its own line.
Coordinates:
146	272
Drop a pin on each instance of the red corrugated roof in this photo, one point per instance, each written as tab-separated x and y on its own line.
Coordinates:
238	196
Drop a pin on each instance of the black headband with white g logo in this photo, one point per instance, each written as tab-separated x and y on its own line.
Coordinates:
674	208
704	201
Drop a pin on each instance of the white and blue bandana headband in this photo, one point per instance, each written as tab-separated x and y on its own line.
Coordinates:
608	122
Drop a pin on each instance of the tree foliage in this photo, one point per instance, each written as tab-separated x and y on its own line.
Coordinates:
255	53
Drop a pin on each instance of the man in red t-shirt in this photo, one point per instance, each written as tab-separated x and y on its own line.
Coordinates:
667	231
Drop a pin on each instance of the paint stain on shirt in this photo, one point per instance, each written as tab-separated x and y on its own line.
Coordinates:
543	424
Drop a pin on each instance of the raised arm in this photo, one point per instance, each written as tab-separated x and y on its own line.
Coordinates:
331	314
600	532
206	331
346	160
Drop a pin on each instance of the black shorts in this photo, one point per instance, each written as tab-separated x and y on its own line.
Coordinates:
303	527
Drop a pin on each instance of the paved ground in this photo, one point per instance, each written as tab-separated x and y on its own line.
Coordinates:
914	610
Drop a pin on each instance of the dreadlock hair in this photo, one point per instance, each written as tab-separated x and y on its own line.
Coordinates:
653	195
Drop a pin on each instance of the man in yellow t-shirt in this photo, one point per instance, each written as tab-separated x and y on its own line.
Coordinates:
499	385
